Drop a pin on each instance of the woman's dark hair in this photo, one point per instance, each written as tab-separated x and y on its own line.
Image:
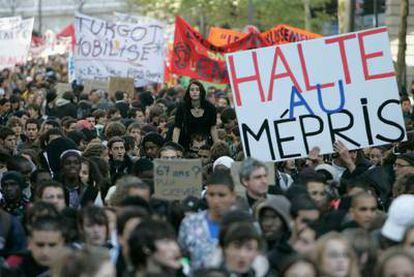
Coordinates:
44	138
95	177
187	97
93	215
142	240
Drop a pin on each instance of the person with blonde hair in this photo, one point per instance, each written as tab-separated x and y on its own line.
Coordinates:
335	257
395	262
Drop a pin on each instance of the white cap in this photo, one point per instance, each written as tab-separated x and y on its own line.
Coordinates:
400	216
225	161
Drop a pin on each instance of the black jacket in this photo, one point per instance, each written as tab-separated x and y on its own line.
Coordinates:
119	168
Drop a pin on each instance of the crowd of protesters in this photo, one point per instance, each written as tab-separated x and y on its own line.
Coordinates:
77	189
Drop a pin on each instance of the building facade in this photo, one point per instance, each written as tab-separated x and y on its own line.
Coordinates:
56	14
393	23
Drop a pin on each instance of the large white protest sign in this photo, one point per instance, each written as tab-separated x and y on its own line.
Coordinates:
6	21
292	97
15	38
104	49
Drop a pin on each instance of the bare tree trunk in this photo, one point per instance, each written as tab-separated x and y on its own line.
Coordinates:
402	44
346	12
308	15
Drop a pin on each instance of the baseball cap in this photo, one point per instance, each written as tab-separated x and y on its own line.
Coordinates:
225	161
400	216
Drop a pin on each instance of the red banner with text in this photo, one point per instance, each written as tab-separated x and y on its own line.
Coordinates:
198	58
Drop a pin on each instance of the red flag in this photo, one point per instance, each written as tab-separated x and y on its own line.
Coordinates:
197	58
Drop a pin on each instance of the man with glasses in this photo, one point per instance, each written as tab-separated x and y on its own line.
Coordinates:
404	164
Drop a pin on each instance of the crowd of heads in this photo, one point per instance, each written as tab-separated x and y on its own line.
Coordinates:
77	189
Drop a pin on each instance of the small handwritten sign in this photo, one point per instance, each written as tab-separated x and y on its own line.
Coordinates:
177	179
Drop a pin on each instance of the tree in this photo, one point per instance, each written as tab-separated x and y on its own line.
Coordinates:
234	13
346	18
402	44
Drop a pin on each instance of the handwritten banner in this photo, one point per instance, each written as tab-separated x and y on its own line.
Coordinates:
104	49
281	34
316	92
198	58
177	179
15	38
221	37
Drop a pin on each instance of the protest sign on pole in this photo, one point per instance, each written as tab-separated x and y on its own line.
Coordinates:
15	41
104	49
293	97
238	187
177	179
71	68
121	84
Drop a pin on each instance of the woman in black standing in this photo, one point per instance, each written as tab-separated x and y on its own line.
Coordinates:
195	116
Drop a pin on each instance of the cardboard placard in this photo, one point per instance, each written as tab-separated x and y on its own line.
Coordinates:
177	179
293	97
88	85
122	84
62	88
239	188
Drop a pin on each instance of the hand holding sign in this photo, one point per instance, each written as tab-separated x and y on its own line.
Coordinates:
315	92
314	159
344	154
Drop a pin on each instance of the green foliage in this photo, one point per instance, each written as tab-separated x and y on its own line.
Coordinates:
233	13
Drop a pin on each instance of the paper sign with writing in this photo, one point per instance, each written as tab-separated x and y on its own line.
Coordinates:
121	84
238	187
293	97
177	179
104	49
95	84
15	41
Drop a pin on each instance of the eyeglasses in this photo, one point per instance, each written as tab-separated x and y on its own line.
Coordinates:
397	165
